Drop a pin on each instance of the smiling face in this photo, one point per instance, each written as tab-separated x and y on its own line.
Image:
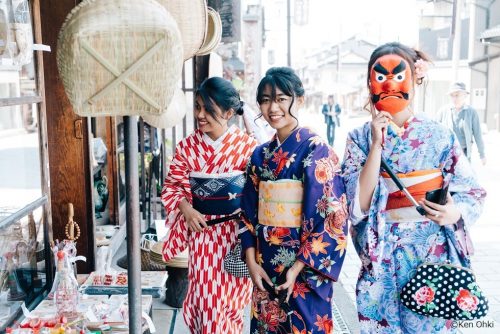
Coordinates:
277	111
214	128
390	83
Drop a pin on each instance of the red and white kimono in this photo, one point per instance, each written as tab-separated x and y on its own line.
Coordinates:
215	299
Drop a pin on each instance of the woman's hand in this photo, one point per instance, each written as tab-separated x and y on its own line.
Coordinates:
447	214
379	124
194	219
291	277
257	274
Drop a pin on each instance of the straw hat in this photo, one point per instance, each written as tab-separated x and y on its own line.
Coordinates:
174	114
458	87
191	17
214	33
119	57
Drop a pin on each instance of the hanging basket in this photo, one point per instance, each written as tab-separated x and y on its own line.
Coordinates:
214	33
119	58
174	114
191	17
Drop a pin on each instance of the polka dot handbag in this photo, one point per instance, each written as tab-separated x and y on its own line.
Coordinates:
445	291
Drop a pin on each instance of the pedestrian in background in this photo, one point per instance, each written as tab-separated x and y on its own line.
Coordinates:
207	160
463	120
295	227
331	111
391	237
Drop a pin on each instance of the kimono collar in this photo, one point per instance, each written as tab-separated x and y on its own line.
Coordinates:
400	130
296	137
216	143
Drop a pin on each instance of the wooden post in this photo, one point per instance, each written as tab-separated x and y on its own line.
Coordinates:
68	142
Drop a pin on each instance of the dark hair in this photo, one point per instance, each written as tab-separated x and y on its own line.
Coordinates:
394	48
221	92
283	78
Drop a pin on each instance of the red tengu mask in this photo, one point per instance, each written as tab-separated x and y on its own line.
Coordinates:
390	83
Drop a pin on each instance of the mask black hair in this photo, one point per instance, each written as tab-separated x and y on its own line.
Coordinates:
221	92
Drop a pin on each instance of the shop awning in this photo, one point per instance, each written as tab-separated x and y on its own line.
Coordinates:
491	35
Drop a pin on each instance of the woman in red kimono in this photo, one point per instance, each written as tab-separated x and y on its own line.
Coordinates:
207	166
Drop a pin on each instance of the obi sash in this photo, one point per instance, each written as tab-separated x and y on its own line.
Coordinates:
217	194
280	203
399	207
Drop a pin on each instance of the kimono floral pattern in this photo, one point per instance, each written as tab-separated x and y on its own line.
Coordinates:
319	242
390	252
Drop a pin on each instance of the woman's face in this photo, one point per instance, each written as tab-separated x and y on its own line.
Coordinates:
277	112
214	128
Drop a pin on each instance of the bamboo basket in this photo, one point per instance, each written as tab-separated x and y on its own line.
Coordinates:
192	19
174	114
119	58
214	33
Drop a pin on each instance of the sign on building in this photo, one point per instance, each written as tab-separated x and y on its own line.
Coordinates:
230	14
478	98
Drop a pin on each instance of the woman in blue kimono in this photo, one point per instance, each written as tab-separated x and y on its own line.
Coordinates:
294	233
390	236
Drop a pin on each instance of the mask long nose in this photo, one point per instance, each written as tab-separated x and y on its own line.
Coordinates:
389	85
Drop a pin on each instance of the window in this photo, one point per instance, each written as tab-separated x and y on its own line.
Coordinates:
442	47
24	270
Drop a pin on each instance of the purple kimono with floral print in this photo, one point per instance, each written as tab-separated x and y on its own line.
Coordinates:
320	241
390	251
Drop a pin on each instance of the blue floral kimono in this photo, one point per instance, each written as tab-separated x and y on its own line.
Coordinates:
318	239
392	248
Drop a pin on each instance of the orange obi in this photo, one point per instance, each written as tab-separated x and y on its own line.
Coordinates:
417	183
280	203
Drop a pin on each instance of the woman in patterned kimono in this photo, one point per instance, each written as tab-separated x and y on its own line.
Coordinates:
390	236
215	299
294	232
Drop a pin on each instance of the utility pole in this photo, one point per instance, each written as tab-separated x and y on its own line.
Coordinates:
456	30
288	34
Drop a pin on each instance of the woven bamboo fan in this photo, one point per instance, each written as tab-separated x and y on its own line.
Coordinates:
191	17
214	33
174	114
119	57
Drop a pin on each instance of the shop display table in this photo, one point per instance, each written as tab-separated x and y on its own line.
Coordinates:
152	283
114	323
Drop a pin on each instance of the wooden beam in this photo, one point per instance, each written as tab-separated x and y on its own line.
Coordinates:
13	101
43	141
68	143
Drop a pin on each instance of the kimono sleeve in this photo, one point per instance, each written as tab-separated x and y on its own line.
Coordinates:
467	194
175	188
324	229
176	185
249	205
354	160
